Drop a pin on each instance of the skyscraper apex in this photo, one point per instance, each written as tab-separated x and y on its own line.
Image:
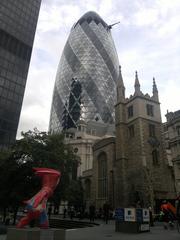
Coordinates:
91	16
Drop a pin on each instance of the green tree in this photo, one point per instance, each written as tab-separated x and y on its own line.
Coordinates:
35	149
75	193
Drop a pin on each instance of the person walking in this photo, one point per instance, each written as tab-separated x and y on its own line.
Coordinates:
168	214
64	212
106	209
92	211
151	217
49	211
71	212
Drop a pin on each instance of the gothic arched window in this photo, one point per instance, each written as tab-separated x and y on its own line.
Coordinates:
155	157
102	175
87	188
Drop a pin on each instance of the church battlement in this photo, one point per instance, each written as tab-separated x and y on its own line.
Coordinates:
137	90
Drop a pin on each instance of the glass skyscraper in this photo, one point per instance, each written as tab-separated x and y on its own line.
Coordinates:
89	63
18	20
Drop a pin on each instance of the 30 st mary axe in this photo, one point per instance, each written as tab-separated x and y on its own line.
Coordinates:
18	20
89	63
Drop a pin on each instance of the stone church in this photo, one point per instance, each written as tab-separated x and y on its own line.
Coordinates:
132	167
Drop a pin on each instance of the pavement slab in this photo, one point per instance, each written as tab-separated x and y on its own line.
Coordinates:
107	232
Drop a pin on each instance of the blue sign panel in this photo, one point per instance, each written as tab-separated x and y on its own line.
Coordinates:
119	214
139	215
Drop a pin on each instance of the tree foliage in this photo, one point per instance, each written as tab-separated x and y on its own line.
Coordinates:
35	149
74	193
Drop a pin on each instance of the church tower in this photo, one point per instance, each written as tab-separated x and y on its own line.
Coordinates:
141	168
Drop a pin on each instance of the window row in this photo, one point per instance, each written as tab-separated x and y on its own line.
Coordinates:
12	63
152	130
149	110
20	8
11	95
15	46
9	76
9	109
7	137
8	125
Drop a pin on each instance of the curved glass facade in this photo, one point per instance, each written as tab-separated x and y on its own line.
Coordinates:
90	59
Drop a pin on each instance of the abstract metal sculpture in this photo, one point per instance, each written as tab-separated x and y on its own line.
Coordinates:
36	206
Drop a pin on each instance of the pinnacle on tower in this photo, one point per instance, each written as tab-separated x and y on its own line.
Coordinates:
155	90
120	87
137	85
154	86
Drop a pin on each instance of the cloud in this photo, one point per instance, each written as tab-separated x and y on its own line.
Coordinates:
53	17
169	97
146	16
38	97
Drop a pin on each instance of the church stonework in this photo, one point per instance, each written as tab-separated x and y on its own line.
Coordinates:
103	172
140	169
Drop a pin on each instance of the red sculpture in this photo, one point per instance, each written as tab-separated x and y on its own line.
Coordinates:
36	206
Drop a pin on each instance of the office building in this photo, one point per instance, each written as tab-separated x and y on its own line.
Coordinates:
85	86
18	20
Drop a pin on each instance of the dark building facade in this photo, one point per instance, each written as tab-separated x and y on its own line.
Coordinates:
172	137
18	20
90	58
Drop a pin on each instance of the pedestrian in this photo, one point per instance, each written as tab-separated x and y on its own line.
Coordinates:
92	211
71	212
64	212
106	209
168	214
151	217
100	213
178	208
8	219
49	211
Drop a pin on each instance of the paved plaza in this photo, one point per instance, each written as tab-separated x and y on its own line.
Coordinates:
107	231
104	232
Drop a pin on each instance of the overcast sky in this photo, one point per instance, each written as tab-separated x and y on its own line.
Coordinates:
147	40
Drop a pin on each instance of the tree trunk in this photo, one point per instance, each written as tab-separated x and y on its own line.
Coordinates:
4	214
15	214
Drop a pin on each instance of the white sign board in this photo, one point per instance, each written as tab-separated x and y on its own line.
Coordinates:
144	227
130	214
146	215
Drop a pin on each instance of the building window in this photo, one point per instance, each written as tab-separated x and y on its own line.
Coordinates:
88	149
178	130
87	189
130	111
79	137
150	110
131	131
155	157
75	150
102	176
152	130
93	132
87	162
